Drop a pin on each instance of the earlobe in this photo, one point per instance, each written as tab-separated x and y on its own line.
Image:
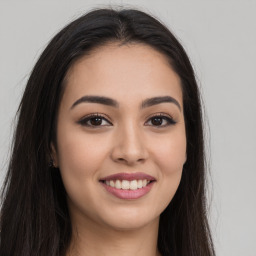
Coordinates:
54	158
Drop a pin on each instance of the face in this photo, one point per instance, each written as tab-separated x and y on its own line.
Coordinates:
121	141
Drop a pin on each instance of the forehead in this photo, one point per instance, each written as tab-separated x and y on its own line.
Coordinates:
129	71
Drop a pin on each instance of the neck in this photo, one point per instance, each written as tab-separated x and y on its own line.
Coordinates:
92	239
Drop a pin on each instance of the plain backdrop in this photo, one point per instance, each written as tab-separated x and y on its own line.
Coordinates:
220	38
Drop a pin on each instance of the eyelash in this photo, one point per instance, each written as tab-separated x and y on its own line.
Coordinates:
167	118
84	121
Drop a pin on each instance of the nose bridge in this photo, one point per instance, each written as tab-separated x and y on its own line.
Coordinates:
130	146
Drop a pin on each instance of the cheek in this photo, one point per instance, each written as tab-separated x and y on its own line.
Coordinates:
80	159
171	154
170	157
80	156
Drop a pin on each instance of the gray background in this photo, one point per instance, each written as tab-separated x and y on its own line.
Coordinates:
220	38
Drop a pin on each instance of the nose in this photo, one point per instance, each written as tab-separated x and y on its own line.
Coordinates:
129	146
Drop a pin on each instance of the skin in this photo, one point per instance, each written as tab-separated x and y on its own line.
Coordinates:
127	140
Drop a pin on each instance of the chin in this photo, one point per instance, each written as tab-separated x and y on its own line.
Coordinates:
130	219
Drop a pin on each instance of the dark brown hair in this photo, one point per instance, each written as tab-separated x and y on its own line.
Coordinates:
34	215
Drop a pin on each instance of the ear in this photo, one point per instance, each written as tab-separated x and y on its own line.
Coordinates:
54	156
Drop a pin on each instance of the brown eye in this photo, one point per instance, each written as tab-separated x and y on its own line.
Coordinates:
94	120
160	121
157	121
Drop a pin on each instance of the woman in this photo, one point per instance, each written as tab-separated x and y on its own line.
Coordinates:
108	154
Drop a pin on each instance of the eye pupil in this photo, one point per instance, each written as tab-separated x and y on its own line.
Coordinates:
96	121
157	121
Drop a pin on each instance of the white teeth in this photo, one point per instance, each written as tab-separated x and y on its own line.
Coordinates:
112	183
133	184
125	184
139	184
118	184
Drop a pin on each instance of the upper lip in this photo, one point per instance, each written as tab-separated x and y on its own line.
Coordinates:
129	176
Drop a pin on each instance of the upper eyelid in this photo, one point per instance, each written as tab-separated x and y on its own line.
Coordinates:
160	114
108	119
168	118
92	115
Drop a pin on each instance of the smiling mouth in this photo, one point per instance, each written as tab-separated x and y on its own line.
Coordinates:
126	184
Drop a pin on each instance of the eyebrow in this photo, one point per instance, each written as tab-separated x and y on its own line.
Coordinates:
113	103
96	99
158	100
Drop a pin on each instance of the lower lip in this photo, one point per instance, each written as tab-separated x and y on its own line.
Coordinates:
127	193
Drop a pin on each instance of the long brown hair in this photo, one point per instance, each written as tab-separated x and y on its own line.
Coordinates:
34	215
